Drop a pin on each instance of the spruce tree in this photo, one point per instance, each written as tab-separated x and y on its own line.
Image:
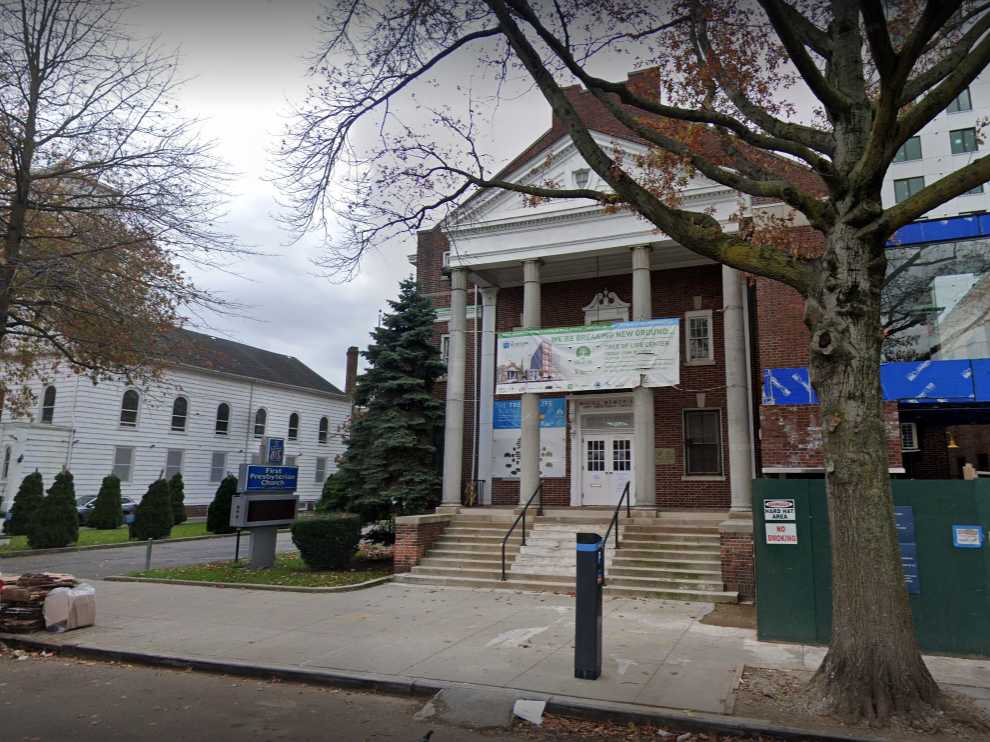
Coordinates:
218	514
56	522
26	502
153	516
107	513
390	457
177	489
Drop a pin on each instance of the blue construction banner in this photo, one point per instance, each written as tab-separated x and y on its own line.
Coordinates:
507	413
913	382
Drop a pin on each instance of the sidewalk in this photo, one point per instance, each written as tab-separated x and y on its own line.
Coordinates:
656	654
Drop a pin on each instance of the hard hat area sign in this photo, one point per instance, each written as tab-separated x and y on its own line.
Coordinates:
778	510
782	533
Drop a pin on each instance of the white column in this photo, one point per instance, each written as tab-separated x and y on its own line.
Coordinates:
529	454
644	445
737	390
453	440
487	390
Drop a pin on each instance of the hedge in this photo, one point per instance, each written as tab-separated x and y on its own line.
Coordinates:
328	541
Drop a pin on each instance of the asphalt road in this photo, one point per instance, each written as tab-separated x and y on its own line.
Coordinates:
97	563
54	699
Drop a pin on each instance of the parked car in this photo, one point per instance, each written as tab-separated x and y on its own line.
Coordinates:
85	505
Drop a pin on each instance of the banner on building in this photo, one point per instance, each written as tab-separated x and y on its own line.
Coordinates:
506	431
622	355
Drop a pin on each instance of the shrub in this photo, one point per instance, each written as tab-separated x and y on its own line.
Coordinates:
328	541
153	517
55	523
218	515
26	502
177	488
106	513
382	532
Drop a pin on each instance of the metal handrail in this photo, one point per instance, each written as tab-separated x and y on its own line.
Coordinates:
615	523
522	517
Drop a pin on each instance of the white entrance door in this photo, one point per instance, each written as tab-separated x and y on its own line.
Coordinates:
607	465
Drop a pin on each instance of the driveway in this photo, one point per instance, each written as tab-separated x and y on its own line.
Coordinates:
98	563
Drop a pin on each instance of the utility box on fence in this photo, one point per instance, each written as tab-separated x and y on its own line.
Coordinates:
941	528
588	607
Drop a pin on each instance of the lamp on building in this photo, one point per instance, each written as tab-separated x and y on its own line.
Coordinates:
581	177
952	441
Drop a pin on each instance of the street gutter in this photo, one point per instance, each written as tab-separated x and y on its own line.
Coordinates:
255	585
407	685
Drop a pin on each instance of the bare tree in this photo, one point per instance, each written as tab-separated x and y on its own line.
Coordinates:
878	71
104	191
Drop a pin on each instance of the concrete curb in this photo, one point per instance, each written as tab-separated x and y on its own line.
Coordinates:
254	585
405	685
120	545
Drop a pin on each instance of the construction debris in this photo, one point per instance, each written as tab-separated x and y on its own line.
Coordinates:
22	600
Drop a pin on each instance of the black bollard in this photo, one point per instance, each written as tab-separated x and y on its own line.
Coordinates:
588	609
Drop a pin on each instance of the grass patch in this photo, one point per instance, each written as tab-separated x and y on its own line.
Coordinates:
289	570
95	537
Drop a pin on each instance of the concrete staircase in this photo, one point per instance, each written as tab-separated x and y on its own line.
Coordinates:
673	557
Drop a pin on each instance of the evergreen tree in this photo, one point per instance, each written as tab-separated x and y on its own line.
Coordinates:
177	489
56	522
218	514
26	502
106	513
153	516
390	456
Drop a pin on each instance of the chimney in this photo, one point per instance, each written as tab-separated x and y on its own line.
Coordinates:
350	377
645	83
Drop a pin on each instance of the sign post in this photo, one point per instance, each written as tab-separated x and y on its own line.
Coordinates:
266	499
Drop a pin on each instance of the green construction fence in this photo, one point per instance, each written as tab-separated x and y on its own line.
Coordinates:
940	524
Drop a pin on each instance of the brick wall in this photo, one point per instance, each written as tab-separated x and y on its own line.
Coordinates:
738	570
791	436
414	535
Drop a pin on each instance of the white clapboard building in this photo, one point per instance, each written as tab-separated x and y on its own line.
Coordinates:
204	417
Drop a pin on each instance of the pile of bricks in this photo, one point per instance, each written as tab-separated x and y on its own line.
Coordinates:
22	600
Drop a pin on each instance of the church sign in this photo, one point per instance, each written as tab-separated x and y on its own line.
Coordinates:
621	355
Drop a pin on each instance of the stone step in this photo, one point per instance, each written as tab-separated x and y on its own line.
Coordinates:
687	538
631	558
490	540
685	595
673	573
494	533
652	583
475	561
665	545
494	548
631	529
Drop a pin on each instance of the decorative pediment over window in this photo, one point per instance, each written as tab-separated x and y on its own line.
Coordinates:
606	307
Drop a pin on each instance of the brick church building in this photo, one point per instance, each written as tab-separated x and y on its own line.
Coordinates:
737	404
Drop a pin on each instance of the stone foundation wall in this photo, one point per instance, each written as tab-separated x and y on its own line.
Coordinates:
414	535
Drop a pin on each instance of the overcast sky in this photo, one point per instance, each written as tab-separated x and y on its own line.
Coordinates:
247	62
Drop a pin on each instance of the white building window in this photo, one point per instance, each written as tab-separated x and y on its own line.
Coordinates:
260	418
904	188
6	463
218	466
324	430
321	469
48	405
445	348
123	462
173	462
702	443
293	426
962	102
180	413
699	338
129	409
223	419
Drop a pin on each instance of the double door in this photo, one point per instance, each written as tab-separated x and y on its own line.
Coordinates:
607	466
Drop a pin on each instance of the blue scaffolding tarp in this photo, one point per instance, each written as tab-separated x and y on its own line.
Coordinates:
914	382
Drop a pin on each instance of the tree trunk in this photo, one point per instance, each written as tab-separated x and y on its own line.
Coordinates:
873	668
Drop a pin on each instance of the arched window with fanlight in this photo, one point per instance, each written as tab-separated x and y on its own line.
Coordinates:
324	430
260	418
223	419
48	405
294	426
129	409
180	414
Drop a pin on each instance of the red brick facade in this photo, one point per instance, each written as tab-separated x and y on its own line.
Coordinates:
414	535
738	570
